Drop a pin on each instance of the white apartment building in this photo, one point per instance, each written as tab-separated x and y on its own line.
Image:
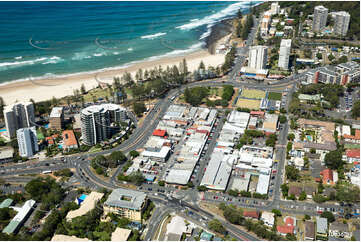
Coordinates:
97	122
257	58
342	21
284	56
18	115
275	8
27	141
319	18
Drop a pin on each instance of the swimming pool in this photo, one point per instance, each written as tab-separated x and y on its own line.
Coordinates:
309	137
2	130
60	146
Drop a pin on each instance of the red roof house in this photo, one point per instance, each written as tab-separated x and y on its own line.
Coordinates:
327	176
251	214
159	132
257	114
284	230
354	153
289	221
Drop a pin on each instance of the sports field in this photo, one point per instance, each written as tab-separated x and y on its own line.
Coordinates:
275	96
248	103
253	94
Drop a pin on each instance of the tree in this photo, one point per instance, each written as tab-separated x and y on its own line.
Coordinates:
2	105
292	173
282	119
201	66
233	193
333	159
5	213
306	217
329	216
319	55
284	189
202	188
133	153
271	141
303	196
330	57
139	108
239	14
356	109
291	237
291	136
216	226
277	212
161	183
82	89
190	184
116	158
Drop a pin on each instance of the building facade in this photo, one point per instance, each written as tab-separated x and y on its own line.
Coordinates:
18	115
342	20
97	122
284	57
27	141
319	18
257	57
56	118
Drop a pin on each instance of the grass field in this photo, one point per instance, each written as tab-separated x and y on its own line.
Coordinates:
253	93
247	103
216	91
275	96
352	146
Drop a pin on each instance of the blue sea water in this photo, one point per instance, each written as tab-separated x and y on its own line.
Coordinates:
43	39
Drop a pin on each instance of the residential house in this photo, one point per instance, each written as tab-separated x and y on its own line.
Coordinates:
69	140
251	214
353	155
309	230
310	191
293	190
329	177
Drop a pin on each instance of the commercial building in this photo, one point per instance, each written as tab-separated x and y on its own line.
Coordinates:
56	118
27	141
126	203
18	115
98	122
257	57
69	140
88	204
218	171
22	214
6	154
270	123
284	57
319	18
342	21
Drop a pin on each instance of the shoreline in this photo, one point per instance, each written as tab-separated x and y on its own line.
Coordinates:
45	88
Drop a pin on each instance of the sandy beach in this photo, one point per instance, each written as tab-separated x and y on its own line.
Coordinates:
45	89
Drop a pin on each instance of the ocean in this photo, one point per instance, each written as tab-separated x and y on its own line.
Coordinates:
48	39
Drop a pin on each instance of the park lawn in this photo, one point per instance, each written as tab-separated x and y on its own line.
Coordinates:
247	103
352	146
97	92
275	96
39	135
215	91
94	149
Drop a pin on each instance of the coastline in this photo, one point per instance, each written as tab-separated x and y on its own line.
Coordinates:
46	88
